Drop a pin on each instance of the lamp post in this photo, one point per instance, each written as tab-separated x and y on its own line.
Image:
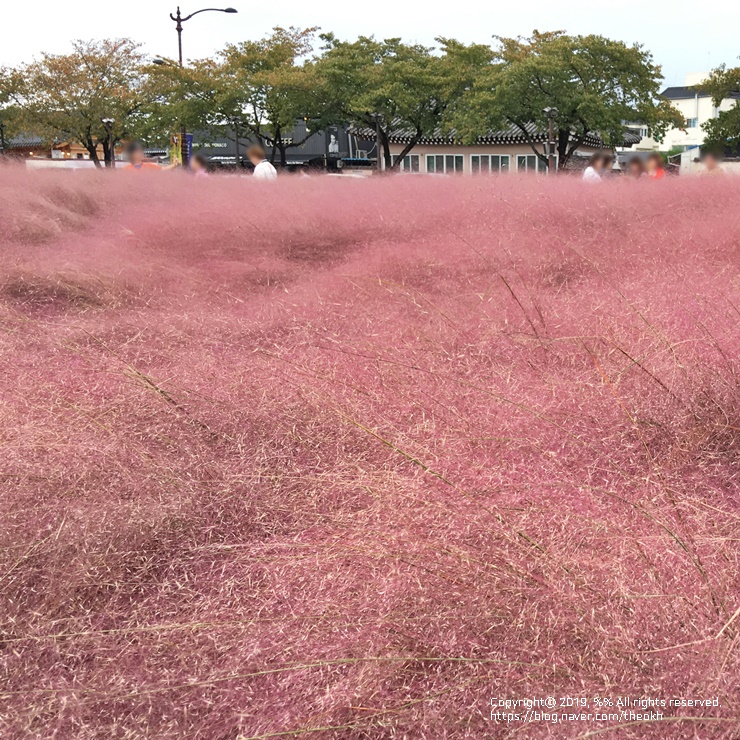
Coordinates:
108	123
179	20
237	121
2	137
551	114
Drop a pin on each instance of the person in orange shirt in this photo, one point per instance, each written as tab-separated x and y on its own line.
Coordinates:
137	159
655	168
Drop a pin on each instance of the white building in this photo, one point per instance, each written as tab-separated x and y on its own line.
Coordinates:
696	108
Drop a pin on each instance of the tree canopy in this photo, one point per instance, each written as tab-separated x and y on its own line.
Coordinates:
11	83
69	95
594	83
723	132
259	86
263	87
388	85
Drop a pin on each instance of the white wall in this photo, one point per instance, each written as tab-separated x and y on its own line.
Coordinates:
700	108
64	164
690	167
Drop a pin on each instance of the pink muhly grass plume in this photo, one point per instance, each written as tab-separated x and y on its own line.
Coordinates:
347	458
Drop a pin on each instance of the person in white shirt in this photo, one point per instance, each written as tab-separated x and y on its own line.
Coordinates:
263	170
595	169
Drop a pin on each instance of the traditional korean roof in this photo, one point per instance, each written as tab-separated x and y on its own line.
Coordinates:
510	135
24	141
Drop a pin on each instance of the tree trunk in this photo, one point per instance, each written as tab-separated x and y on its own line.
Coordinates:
569	142
92	150
404	152
541	155
563	141
293	145
106	154
281	146
385	141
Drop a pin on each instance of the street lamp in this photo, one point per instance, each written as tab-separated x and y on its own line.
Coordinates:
108	123
550	114
179	20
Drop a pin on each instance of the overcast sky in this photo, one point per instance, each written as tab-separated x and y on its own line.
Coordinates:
683	36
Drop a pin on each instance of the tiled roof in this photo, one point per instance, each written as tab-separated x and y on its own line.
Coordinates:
510	135
21	141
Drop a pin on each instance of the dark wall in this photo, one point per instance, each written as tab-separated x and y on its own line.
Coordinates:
221	148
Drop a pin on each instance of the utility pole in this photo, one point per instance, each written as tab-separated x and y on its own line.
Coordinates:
2	137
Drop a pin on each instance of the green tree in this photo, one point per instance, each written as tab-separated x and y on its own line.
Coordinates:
269	89
723	132
259	86
180	97
389	85
11	83
68	95
596	85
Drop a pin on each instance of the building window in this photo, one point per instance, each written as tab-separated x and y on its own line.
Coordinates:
530	163
445	163
692	123
410	163
485	163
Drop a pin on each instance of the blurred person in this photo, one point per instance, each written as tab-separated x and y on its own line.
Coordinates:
636	168
655	167
199	165
263	170
137	159
712	165
595	170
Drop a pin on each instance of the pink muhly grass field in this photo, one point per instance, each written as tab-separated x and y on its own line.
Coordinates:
348	458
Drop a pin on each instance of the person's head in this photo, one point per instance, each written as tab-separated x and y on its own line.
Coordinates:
135	153
607	160
711	161
654	162
636	167
199	162
597	161
256	154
